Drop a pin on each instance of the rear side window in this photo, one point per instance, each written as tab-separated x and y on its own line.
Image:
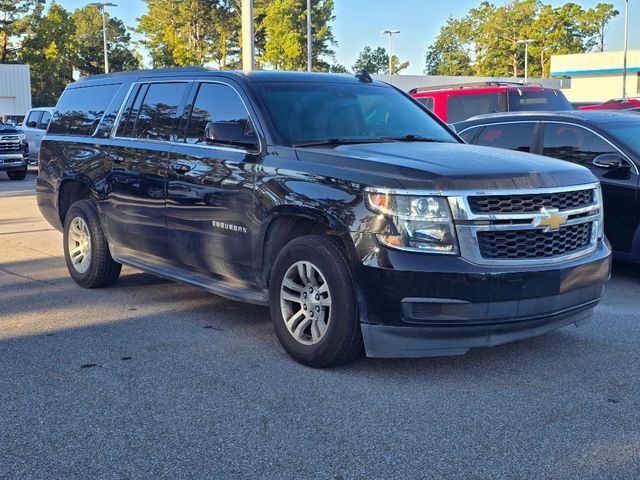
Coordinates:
33	119
154	112
44	121
216	103
462	107
426	101
80	109
512	136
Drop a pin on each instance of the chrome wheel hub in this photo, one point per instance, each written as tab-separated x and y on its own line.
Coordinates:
305	302
79	245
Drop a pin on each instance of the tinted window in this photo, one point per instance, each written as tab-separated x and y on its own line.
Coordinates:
33	119
44	121
524	100
573	143
461	107
426	101
217	103
158	114
468	134
512	136
316	112
80	109
627	132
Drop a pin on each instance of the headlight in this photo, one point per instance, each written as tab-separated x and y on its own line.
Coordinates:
417	223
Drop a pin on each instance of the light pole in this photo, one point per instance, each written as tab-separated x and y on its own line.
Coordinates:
626	47
248	56
391	33
100	6
309	57
526	58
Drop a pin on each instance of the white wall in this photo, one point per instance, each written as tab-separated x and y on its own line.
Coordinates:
407	82
15	89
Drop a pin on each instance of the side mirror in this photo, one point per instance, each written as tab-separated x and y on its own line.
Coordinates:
611	161
230	133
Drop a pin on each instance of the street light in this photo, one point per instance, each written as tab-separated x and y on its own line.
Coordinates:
391	33
248	54
100	6
526	58
626	47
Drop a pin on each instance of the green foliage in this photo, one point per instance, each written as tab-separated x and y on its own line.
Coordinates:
89	43
285	26
486	42
48	47
376	61
12	24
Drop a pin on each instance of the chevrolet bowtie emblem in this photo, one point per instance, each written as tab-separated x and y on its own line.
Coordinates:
550	219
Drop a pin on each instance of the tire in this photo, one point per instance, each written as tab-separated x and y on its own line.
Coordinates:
93	266
17	174
332	336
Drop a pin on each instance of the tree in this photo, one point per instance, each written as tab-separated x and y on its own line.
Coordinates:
597	23
285	26
48	47
448	55
13	17
376	61
89	42
372	60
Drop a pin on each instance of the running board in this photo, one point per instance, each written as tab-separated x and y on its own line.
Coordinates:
156	266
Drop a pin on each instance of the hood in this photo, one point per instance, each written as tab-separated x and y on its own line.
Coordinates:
451	166
9	129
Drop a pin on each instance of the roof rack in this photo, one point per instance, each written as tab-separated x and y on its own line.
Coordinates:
126	73
491	83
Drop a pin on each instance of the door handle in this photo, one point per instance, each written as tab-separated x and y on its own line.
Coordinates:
116	158
180	168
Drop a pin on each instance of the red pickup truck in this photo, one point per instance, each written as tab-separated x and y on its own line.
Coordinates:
455	103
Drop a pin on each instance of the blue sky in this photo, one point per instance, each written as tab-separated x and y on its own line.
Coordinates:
359	23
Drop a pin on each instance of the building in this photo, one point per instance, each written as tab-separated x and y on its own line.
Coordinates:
15	91
597	77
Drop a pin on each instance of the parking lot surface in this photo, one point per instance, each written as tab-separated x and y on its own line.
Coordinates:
153	379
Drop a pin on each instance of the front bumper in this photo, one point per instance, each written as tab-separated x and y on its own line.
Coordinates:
12	161
416	305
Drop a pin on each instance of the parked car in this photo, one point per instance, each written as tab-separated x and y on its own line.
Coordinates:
455	103
607	143
341	203
34	126
615	104
14	152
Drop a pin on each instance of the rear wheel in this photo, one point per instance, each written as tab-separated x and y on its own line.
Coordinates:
313	302
86	250
17	174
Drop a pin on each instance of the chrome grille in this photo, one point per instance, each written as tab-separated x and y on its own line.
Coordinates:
9	143
527	227
531	203
518	244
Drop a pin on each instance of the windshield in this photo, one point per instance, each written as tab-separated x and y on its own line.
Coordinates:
313	113
627	132
545	100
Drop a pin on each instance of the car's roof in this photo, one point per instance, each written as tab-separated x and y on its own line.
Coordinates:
593	116
255	76
472	89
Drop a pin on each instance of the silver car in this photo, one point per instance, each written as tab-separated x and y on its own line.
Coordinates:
34	126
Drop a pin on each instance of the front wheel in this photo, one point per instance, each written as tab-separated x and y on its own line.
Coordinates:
86	250
17	174
313	302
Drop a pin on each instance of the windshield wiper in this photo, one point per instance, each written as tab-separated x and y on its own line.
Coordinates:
340	141
414	138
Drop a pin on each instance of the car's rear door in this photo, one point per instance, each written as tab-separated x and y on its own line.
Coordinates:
135	210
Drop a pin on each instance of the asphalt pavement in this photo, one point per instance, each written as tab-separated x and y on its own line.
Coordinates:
153	379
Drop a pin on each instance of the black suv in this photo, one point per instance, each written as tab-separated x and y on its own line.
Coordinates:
14	152
340	202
